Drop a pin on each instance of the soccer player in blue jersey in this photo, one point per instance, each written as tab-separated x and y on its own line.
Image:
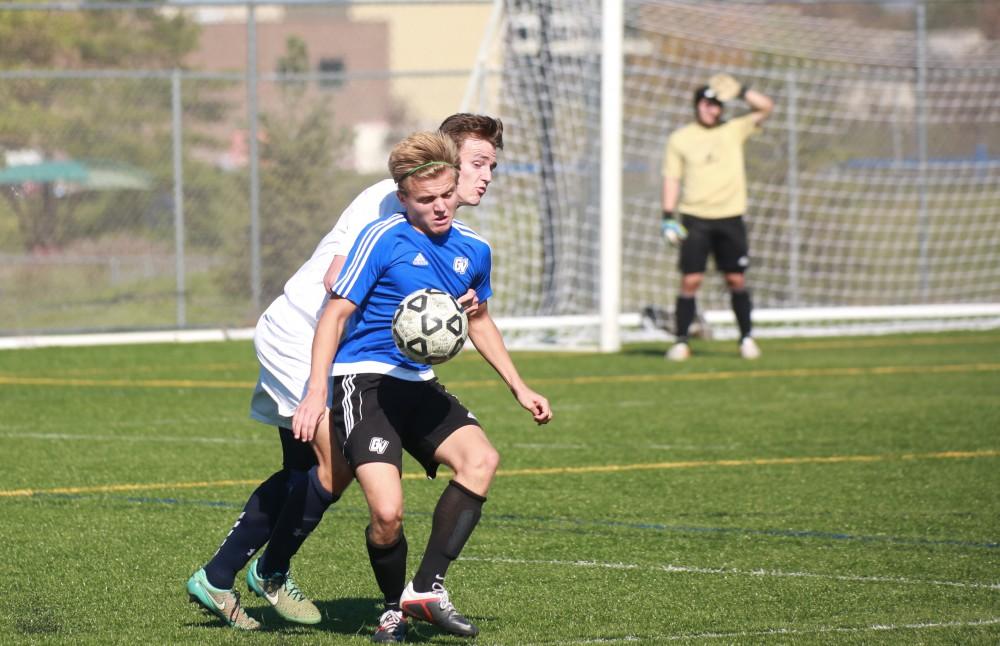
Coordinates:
284	509
384	403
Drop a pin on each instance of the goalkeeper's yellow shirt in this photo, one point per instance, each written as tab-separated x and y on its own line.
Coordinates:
709	164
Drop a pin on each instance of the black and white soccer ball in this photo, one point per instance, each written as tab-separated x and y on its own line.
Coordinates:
429	326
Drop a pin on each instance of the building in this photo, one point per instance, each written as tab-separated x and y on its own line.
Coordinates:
336	46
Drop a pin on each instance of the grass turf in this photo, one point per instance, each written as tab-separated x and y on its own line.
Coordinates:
835	491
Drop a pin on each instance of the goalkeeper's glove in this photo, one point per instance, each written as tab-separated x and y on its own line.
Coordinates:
725	88
673	231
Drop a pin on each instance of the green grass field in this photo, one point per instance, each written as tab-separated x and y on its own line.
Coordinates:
835	491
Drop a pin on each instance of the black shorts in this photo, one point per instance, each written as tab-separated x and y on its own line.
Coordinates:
724	238
377	417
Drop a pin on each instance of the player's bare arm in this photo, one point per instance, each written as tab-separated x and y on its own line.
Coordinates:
329	329
761	104
671	193
489	342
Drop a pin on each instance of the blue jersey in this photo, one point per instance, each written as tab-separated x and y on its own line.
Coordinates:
389	260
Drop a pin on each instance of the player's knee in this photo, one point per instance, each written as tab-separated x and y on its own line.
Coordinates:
490	461
736	282
386	523
480	467
690	283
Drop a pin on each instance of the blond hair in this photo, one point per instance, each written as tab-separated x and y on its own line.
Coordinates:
422	155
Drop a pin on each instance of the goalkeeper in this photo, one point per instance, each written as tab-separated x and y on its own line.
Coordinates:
704	199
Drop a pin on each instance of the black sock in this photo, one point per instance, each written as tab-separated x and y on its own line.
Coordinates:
302	513
389	565
684	312
741	308
252	529
455	516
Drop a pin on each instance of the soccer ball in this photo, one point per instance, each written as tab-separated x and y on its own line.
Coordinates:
429	326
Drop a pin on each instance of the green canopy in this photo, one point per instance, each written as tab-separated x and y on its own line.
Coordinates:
88	174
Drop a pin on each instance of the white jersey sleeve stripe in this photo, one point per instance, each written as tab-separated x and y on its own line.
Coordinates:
369	238
350	274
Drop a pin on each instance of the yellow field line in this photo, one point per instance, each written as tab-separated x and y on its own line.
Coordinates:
879	342
890	343
761	374
693	464
246	366
123	383
590	379
749	374
597	468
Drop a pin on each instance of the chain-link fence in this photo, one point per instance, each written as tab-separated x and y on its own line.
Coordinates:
875	182
166	167
169	167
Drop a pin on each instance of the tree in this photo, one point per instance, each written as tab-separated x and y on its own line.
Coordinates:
114	119
300	182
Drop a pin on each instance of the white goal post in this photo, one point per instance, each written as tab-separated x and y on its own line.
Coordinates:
873	195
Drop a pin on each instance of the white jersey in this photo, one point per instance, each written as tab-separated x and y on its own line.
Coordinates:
284	334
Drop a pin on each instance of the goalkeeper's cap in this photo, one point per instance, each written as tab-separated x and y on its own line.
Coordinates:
705	92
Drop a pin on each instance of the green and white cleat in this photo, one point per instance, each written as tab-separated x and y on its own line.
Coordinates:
224	604
281	592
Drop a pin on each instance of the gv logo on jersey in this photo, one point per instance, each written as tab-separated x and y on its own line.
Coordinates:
378	445
460	265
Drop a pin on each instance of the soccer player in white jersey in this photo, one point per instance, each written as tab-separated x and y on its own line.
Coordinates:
283	341
384	403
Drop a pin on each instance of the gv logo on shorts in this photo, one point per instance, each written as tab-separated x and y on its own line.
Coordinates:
378	445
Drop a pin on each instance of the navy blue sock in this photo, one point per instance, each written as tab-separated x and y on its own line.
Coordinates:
303	510
389	565
252	529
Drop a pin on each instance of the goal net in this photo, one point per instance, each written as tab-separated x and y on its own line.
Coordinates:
874	187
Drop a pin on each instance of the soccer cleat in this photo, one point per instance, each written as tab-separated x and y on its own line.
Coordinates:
391	628
281	592
224	604
749	349
434	607
679	352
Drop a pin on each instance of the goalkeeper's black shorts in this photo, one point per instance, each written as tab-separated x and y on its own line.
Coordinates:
724	238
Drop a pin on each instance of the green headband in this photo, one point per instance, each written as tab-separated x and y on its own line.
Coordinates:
428	164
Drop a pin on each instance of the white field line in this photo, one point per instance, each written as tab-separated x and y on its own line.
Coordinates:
746	634
685	569
874	628
623	403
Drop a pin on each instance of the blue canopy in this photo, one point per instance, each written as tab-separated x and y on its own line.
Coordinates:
88	174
